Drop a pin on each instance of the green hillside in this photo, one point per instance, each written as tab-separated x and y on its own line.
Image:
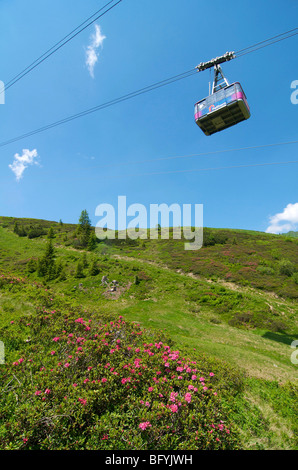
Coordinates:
227	313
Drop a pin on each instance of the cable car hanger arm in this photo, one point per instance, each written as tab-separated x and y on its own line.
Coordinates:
218	60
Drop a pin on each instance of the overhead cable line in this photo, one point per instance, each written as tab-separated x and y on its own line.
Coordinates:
266	42
195	170
103	105
61	43
176	157
203	169
135	93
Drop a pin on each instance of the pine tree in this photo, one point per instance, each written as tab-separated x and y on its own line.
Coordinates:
31	265
84	261
92	242
84	228
16	228
79	270
51	233
46	265
94	270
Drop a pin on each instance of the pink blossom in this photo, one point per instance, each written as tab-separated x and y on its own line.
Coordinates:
211	374
66	364
56	338
194	377
38	392
53	352
187	397
144	425
174	408
47	391
104	380
150	389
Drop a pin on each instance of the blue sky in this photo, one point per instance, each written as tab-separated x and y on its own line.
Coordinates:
95	159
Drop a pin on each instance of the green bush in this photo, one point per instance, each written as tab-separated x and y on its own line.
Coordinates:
90	384
286	267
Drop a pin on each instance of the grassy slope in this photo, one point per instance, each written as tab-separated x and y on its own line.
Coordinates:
199	306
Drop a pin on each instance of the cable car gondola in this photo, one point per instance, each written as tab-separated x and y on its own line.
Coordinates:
226	105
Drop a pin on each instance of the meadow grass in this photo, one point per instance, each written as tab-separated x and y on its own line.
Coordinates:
228	320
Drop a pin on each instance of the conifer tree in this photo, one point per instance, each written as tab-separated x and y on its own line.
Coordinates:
94	270
79	270
84	228
92	242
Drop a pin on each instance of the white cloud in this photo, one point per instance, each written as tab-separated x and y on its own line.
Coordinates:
284	221
92	50
21	162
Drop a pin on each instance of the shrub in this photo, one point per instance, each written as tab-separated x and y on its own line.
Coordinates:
90	384
286	267
79	271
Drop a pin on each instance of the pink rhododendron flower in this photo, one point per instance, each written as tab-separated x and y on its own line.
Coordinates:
187	397
173	396
144	425
174	408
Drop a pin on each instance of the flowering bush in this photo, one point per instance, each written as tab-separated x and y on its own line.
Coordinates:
89	383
